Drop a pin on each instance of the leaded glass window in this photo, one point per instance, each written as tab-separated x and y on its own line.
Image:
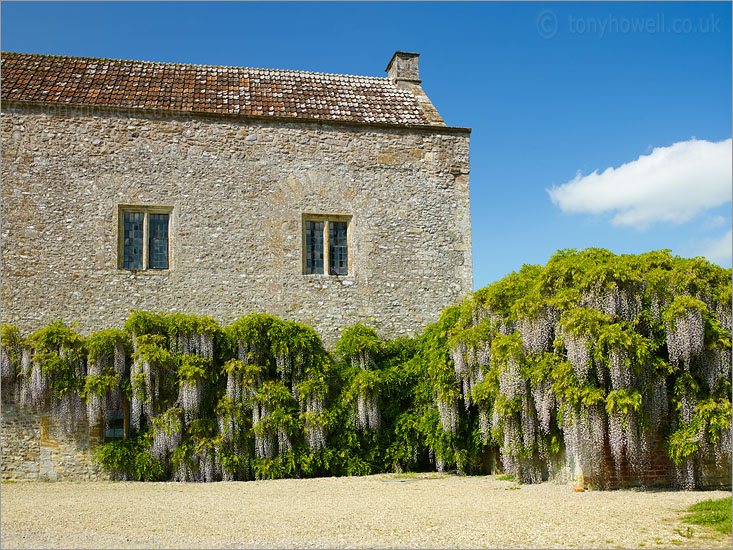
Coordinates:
144	237
338	249
158	245
133	240
314	247
325	244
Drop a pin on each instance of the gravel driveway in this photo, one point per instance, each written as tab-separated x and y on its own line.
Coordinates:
380	511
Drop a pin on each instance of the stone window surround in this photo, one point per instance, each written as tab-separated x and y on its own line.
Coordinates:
326	260
147	209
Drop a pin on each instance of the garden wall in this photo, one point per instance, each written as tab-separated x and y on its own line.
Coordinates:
659	472
34	447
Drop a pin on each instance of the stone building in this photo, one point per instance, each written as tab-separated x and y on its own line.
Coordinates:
321	198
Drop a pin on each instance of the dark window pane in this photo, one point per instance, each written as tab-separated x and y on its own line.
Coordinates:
314	247
158	241
338	248
114	425
132	254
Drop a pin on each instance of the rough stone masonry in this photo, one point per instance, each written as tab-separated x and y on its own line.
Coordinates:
238	188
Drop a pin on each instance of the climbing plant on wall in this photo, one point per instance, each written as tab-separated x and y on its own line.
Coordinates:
590	359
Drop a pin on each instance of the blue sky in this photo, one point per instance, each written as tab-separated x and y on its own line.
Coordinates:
554	92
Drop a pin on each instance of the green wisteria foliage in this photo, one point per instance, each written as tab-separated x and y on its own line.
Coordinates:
590	356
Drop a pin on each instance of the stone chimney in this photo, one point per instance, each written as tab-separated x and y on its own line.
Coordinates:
403	71
403	68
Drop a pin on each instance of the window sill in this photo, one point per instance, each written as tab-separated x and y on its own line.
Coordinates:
348	276
143	272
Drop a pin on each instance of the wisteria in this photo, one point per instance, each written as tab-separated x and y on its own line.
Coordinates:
609	354
70	411
527	471
366	413
617	438
687	404
458	354
96	402
585	431
578	349
484	425
168	432
616	301
511	382
545	404
191	335
595	363
538	330
361	345
283	440
657	403
361	360
723	314
314	429
714	365
658	301
190	397
618	360
529	421
722	449
448	413
686	337
38	383
136	401
468	369
10	353
23	387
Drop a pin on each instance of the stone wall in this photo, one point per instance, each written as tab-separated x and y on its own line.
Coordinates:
35	447
21	436
238	189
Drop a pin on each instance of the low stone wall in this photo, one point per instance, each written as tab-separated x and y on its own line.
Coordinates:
21	435
35	447
714	475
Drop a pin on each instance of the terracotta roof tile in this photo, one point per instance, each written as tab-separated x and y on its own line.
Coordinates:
211	89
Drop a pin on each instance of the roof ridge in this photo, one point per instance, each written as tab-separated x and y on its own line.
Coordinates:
197	65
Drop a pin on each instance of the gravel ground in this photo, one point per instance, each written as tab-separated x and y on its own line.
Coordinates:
360	512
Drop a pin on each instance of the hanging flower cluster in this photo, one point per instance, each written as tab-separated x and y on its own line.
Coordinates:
362	345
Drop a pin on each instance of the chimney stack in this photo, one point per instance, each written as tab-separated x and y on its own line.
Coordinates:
403	68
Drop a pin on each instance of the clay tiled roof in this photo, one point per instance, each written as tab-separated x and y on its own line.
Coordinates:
204	88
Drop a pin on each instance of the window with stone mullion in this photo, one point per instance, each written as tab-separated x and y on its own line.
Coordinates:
145	239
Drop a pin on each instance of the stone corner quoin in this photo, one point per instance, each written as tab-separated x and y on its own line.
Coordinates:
238	190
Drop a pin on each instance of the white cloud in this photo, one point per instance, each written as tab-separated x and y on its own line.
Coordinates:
671	184
720	250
